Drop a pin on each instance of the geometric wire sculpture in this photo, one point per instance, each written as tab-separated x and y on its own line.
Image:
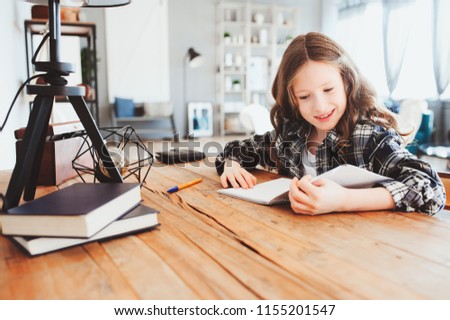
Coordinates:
127	151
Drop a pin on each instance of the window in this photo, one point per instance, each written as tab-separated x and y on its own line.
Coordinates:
360	31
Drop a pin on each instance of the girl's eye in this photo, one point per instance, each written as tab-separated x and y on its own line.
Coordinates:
328	90
303	97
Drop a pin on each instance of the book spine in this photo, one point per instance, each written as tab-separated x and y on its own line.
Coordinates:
53	129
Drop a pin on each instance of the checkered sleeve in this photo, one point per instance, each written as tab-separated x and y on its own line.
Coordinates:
249	152
416	186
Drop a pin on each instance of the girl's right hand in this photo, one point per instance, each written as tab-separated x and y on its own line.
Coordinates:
236	176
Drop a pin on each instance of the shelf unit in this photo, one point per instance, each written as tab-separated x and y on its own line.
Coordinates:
251	39
86	31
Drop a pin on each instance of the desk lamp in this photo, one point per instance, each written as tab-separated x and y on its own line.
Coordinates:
192	59
84	3
26	170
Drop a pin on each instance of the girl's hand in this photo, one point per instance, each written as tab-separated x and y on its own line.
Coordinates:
321	196
236	176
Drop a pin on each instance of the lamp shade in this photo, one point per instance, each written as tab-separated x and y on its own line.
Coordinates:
85	3
194	58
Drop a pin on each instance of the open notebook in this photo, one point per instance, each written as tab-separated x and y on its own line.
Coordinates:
276	191
267	193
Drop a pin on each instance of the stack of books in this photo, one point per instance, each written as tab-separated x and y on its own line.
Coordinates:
77	214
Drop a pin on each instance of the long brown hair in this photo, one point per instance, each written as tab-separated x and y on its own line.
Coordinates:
361	97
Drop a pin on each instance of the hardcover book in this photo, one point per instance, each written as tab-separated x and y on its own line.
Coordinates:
55	129
276	191
79	210
60	149
56	165
139	219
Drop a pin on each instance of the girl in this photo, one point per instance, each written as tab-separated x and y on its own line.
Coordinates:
326	115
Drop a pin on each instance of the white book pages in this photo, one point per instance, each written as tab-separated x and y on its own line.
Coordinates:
276	191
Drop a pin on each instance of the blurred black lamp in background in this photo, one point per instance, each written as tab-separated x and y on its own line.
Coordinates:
192	59
84	3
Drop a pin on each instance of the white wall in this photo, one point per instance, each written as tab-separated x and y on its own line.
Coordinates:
13	73
191	24
137	51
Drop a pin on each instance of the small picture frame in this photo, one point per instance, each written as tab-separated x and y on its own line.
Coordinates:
200	117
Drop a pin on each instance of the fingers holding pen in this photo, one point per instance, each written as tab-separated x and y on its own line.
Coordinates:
299	199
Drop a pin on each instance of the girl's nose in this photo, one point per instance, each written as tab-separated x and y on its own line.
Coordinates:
320	104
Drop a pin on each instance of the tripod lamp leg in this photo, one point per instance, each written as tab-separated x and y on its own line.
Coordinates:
96	138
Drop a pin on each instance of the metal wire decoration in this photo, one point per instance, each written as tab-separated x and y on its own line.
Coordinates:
128	153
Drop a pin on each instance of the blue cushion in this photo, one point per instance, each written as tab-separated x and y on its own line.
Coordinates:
124	107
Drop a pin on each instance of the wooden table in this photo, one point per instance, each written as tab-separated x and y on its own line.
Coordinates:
210	246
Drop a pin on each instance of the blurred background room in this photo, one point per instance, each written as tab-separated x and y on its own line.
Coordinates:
204	68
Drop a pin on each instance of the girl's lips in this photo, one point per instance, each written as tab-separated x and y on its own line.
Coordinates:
325	117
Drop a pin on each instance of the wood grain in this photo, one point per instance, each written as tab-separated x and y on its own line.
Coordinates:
210	246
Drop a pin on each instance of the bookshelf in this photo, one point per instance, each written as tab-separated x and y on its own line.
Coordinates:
85	60
251	39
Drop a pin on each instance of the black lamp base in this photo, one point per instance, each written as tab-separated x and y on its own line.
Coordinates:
179	156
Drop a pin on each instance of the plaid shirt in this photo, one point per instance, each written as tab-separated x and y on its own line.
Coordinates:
416	186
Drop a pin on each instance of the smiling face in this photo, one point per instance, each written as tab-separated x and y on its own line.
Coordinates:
320	95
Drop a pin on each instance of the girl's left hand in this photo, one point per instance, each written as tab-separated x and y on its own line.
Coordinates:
321	196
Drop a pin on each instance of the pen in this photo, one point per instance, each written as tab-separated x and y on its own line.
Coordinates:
184	185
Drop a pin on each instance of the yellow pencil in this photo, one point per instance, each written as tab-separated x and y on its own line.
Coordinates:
184	185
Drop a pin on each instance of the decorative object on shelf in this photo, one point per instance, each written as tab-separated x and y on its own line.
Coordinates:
228	83
233	124
237	15
67	14
228	15
227	37
289	38
127	151
228	59
281	20
236	85
238	60
200	119
263	37
258	18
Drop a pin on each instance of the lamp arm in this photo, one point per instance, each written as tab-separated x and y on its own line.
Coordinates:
54	13
185	81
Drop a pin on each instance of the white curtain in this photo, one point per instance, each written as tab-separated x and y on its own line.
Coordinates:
441	44
441	54
397	21
138	51
403	66
359	30
351	18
